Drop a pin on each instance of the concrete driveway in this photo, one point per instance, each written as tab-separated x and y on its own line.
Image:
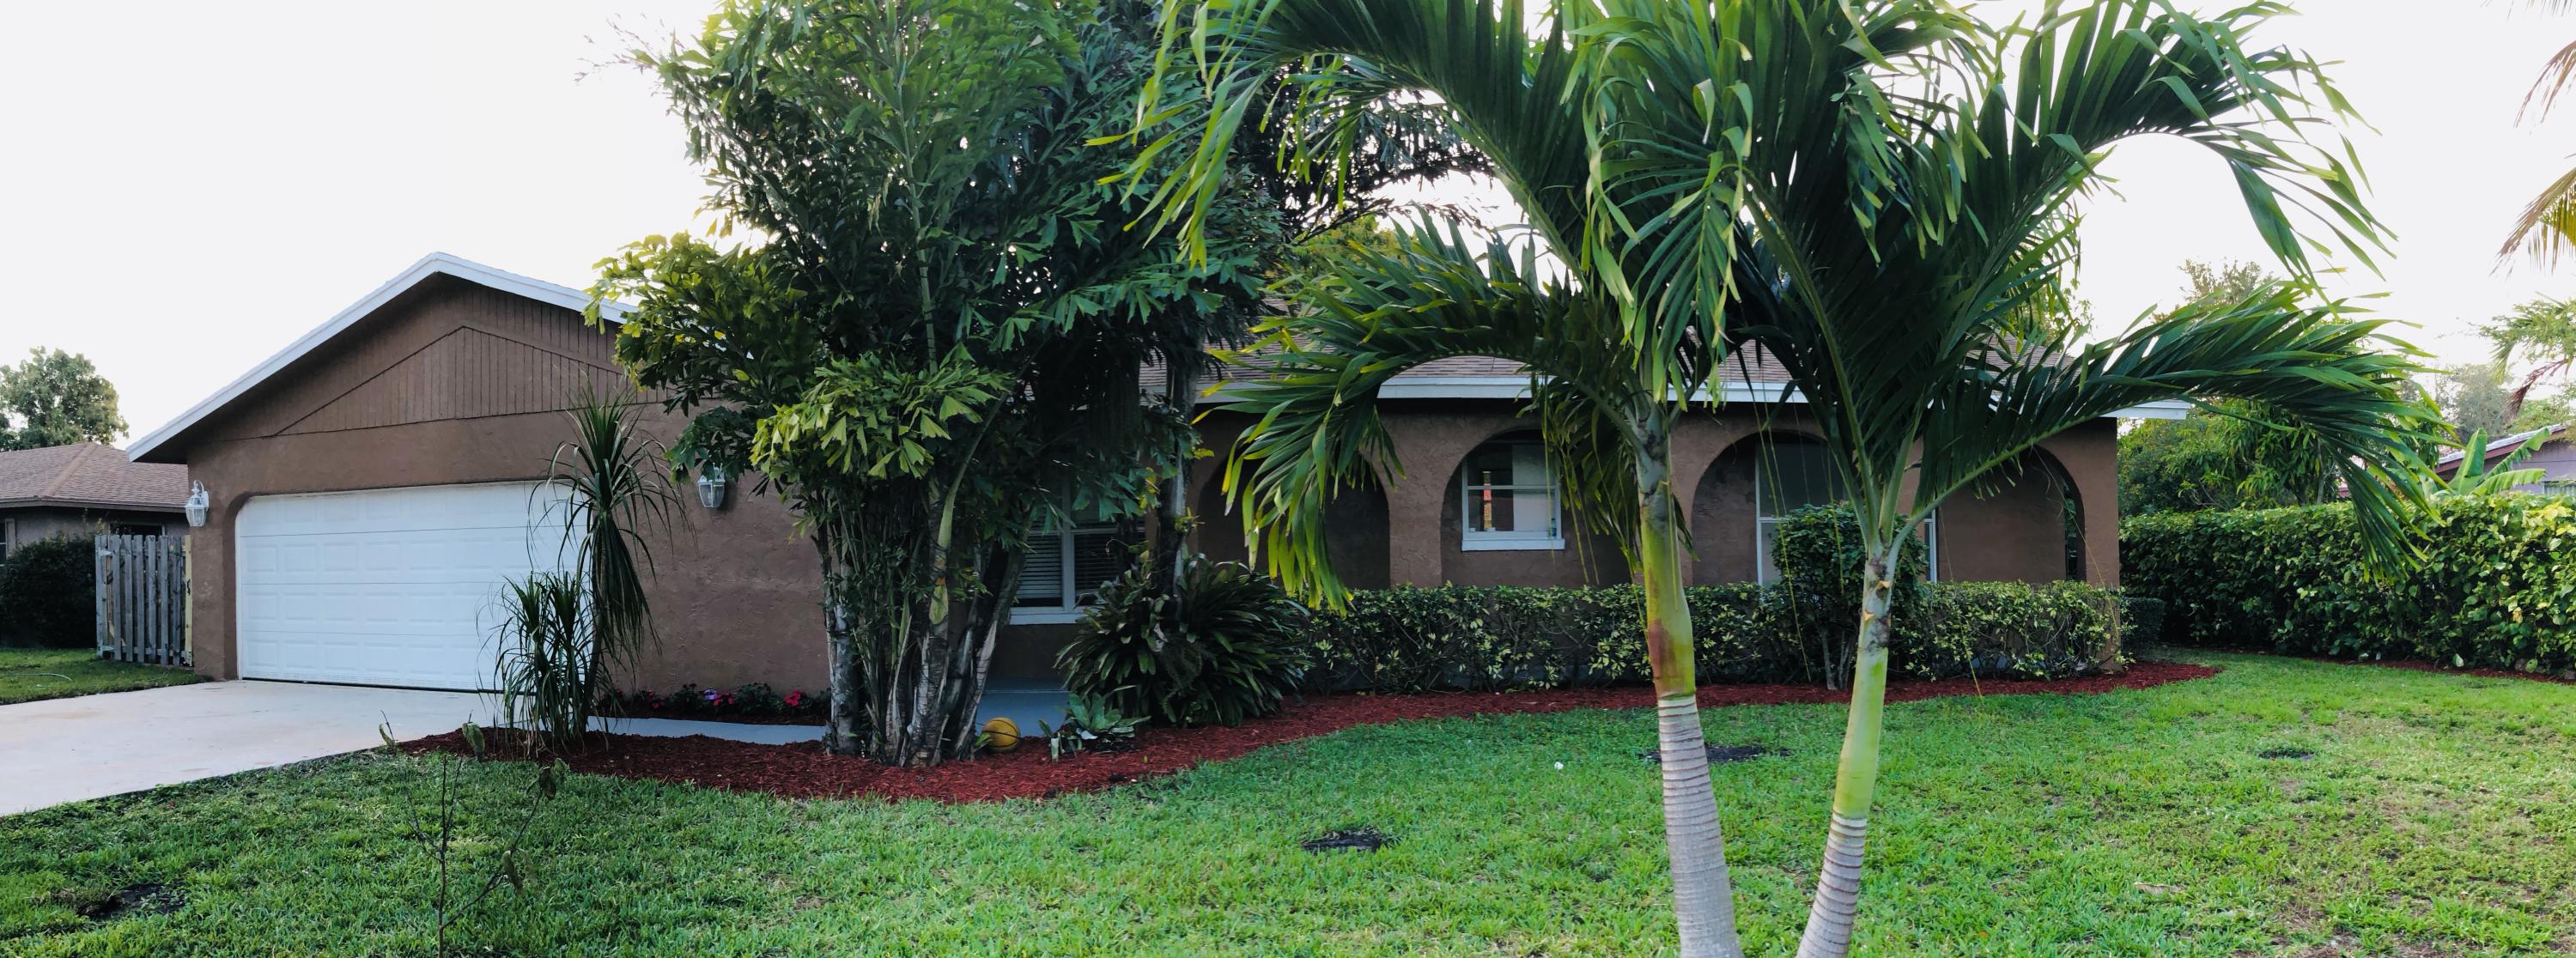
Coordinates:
93	746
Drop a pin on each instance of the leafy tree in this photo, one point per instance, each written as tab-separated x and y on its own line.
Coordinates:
56	398
936	335
2543	411
1877	194
2474	398
2542	332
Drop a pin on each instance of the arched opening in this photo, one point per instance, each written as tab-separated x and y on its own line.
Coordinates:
1354	533
1752	486
1741	497
1504	521
2026	526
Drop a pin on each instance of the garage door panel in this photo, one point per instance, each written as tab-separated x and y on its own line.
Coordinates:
388	586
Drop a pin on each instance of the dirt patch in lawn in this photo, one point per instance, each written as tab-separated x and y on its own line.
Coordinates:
806	771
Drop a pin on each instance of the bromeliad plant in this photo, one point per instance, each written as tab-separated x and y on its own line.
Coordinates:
1090	723
1879	194
1223	644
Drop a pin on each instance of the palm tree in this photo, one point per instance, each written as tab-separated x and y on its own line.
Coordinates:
1878	194
2546	228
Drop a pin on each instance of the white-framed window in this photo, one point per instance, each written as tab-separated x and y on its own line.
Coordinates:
8	536
2558	487
1507	498
1793	473
1066	567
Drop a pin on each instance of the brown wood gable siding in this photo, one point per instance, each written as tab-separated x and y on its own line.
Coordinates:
450	349
466	374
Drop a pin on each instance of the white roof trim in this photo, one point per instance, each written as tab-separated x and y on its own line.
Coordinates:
430	265
1517	387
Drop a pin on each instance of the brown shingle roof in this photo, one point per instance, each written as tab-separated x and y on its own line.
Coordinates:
1749	365
89	474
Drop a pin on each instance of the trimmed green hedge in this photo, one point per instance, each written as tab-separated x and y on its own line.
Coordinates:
1502	637
45	595
2496	588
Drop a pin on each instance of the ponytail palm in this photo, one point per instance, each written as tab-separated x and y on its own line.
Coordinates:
1877	194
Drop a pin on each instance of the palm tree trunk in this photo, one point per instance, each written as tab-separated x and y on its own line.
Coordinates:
1829	920
1703	894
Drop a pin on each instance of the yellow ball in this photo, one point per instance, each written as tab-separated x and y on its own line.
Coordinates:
1002	734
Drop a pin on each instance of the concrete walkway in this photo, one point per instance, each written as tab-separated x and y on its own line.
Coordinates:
93	746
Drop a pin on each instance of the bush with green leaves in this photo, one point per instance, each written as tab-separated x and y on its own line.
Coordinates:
1486	638
1819	554
46	594
2492	588
2009	629
1225	644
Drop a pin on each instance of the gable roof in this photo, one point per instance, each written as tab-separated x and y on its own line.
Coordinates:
434	264
2501	447
89	474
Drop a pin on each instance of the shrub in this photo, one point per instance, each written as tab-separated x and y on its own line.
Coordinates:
1818	552
2010	629
46	594
1485	638
755	700
2491	590
1226	645
2145	620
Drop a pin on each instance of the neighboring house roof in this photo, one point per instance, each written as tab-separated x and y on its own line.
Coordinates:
89	475
434	264
2499	448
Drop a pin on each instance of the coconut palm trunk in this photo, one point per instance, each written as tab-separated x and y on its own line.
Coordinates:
1703	893
1837	902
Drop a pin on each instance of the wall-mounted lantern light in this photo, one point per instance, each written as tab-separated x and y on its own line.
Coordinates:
711	487
197	503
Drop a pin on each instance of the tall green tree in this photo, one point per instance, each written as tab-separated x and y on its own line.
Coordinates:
54	398
1877	194
2474	398
2541	332
932	334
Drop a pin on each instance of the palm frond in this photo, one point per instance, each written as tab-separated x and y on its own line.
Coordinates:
1318	432
1502	83
2545	230
2334	379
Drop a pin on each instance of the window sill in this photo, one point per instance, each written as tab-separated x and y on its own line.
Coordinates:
1512	545
1048	616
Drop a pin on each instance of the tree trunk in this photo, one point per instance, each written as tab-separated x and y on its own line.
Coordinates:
845	729
1829	920
1703	894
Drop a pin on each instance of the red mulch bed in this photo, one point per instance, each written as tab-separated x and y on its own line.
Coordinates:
806	771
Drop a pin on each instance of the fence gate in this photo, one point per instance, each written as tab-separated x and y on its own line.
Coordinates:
143	599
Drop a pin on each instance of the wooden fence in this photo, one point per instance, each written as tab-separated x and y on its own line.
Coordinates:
143	599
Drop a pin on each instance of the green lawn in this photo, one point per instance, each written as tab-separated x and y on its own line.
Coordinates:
30	674
2436	816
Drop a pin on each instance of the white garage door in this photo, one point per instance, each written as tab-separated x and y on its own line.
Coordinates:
387	586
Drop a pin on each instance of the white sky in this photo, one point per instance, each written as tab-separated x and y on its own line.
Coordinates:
227	176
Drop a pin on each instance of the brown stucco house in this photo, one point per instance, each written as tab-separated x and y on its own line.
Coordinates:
372	484
84	489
